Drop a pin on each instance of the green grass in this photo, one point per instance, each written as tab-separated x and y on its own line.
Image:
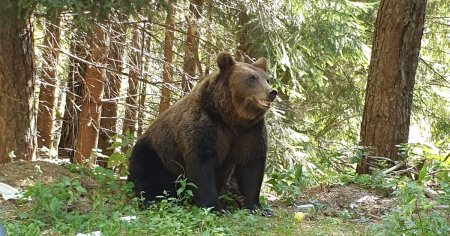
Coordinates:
96	201
166	218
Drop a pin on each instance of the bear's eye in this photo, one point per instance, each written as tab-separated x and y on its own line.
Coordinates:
252	78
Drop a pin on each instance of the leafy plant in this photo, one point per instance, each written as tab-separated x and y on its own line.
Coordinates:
122	152
287	183
184	190
415	214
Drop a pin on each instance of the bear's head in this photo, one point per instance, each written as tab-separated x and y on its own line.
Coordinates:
251	94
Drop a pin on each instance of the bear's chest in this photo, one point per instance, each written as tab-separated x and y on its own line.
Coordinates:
225	144
234	148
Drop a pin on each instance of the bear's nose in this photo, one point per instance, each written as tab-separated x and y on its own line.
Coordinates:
273	94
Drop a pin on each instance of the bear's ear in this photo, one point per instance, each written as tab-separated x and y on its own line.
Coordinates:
261	63
225	61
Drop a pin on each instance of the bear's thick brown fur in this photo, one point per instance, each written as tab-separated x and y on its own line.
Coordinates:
216	131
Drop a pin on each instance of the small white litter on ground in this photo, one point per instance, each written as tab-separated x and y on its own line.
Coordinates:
9	192
95	233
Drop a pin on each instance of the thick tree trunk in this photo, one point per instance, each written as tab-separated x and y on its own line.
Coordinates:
109	110
17	126
131	106
49	77
74	95
389	92
168	59
191	45
95	78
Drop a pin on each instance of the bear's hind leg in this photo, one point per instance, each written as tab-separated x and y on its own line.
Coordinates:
148	174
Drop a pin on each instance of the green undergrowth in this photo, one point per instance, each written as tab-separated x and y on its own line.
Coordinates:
97	201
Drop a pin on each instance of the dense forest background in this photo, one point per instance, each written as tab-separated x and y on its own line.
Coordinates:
82	79
103	71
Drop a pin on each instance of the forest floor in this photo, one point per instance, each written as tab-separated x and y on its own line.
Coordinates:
338	210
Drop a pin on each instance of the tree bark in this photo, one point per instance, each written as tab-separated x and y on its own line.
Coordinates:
191	44
146	65
142	96
393	64
74	95
131	106
17	125
209	37
95	78
168	59
109	110
49	79
246	50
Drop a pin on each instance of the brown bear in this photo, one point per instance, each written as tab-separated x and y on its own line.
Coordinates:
216	131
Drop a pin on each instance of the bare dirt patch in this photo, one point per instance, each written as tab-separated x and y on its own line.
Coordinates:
24	173
348	201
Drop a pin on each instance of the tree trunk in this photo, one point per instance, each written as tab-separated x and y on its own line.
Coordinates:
74	95
168	59
389	92
131	106
246	50
109	110
17	126
209	36
142	96
95	78
191	44
143	85
49	77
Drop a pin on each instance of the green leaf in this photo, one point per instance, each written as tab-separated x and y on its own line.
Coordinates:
80	189
423	171
192	185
